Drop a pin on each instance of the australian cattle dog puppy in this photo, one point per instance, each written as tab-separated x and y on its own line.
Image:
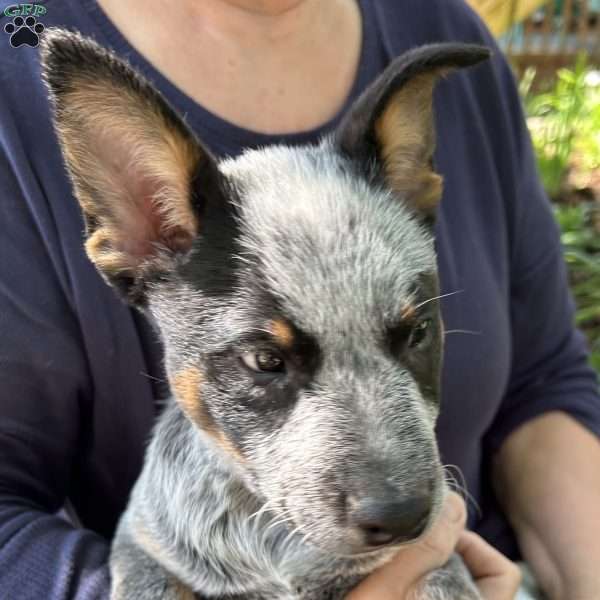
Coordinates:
295	291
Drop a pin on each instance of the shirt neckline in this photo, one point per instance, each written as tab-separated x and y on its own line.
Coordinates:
202	120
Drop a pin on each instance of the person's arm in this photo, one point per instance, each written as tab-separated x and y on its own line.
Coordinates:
545	435
43	383
548	477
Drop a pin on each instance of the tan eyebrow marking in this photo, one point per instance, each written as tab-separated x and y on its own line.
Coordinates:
282	332
409	312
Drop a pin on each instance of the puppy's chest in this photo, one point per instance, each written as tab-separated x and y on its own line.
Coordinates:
285	569
332	592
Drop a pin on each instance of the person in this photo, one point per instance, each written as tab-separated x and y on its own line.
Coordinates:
81	373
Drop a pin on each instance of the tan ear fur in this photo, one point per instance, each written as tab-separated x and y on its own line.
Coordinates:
405	135
131	169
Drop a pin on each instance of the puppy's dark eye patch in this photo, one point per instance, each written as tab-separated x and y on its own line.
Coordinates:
397	337
419	333
410	332
277	350
408	335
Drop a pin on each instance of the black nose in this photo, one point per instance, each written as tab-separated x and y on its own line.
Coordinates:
385	521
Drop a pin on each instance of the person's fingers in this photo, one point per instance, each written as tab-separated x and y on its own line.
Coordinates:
496	577
395	579
435	548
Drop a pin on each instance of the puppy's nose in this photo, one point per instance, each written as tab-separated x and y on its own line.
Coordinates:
384	521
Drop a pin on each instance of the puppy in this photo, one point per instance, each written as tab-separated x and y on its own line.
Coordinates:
295	291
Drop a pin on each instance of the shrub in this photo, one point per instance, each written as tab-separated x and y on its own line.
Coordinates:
565	128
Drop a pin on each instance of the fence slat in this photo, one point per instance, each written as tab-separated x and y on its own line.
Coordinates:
566	18
547	27
548	40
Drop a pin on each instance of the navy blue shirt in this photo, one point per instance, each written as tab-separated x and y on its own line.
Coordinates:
81	374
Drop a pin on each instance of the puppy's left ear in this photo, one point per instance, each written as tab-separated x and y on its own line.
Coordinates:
391	126
138	172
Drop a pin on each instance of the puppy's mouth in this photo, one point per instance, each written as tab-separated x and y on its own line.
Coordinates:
378	539
386	542
351	541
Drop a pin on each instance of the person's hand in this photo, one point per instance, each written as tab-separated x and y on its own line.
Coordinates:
402	576
497	578
401	579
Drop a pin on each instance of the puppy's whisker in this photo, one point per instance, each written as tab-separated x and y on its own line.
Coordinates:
158	379
279	522
460	486
241	258
259	330
304	534
265	507
308	534
288	539
466	331
438	298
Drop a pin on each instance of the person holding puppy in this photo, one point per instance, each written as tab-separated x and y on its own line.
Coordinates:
520	412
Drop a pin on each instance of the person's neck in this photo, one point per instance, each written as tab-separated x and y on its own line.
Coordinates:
234	57
253	24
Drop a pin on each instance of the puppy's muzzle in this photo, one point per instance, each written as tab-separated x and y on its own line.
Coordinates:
385	519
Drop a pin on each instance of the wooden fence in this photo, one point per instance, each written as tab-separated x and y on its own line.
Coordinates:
546	34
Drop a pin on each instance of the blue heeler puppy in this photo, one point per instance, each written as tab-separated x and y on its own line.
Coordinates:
295	292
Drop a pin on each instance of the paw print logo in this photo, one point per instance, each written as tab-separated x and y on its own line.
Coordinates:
24	31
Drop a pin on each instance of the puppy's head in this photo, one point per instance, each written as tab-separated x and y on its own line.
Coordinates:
295	288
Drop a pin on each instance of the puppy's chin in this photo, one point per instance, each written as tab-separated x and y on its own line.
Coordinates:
342	543
361	551
359	559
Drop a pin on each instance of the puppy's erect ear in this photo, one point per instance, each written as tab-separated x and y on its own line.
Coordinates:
391	124
135	166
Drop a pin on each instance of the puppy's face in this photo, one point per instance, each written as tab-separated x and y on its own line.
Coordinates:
295	288
315	366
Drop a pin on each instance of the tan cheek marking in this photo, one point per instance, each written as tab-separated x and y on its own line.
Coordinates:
186	387
117	580
282	333
182	592
146	541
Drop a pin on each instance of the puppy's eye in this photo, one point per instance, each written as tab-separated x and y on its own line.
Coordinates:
419	333
264	361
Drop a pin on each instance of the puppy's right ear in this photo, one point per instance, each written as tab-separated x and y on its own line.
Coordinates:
137	170
391	126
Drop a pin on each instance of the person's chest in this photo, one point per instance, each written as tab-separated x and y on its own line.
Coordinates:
473	249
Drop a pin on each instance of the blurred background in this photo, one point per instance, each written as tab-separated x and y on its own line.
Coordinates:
554	47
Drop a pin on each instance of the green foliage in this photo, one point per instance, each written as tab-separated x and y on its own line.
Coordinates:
581	242
565	128
564	124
